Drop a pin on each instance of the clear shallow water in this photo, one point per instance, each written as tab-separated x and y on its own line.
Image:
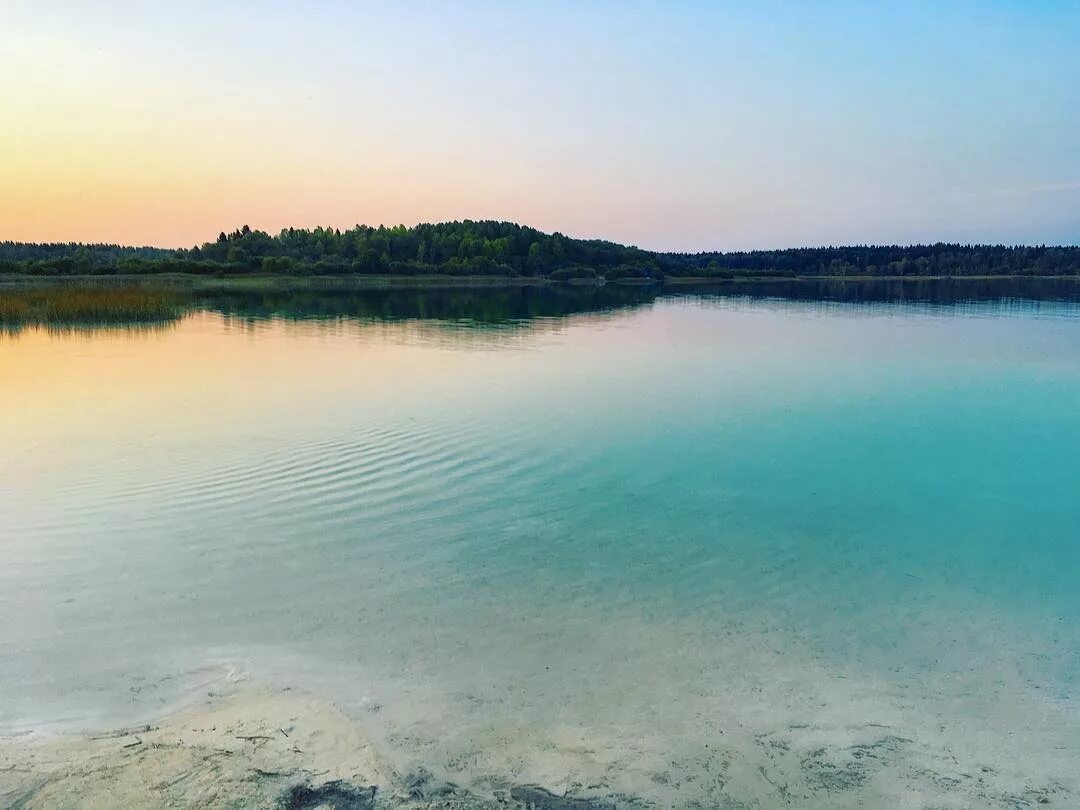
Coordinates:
688	550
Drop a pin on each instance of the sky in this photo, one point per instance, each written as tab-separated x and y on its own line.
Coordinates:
669	125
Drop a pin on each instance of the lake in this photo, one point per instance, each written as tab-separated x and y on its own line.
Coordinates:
778	550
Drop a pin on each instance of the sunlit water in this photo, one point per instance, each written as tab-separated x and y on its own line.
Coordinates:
684	551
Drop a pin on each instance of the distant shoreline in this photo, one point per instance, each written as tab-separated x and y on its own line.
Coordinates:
262	280
470	248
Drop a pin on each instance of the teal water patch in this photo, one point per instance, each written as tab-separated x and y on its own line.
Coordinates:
576	548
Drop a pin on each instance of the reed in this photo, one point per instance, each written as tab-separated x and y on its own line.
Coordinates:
89	306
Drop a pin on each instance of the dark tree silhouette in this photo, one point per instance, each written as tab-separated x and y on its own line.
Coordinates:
506	249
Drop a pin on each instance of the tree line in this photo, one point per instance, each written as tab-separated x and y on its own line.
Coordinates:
489	248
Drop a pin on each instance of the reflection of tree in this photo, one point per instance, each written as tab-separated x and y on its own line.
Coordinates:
501	306
480	305
500	311
483	317
945	291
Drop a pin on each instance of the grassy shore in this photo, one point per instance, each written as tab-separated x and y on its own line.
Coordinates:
74	305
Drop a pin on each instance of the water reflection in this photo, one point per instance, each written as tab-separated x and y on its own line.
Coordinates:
482	306
937	291
530	308
90	329
519	305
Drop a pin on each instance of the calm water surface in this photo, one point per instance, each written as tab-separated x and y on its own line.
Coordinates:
597	548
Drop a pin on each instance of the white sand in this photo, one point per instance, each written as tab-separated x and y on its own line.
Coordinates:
254	746
244	750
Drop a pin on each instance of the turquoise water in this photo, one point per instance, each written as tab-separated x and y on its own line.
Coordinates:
693	549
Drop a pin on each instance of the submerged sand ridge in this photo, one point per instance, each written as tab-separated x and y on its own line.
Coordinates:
248	749
254	748
261	747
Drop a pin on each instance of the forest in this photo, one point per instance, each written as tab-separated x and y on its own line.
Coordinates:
489	248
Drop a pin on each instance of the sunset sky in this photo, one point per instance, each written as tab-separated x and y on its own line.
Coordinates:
681	125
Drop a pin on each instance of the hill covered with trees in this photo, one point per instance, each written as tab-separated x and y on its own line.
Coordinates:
489	248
